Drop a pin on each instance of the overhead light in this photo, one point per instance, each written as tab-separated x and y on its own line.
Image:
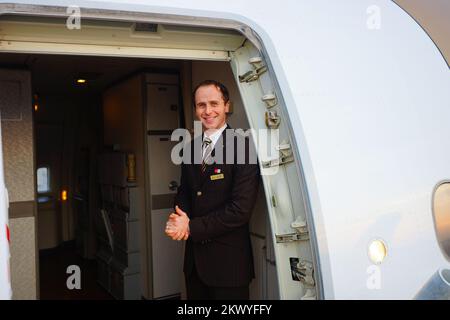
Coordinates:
84	78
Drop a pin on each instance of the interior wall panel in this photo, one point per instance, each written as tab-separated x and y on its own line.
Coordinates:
18	159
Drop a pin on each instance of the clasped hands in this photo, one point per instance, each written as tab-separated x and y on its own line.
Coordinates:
177	227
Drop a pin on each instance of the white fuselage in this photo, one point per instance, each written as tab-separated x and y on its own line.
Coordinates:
369	103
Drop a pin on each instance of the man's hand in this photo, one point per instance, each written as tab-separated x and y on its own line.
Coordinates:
177	227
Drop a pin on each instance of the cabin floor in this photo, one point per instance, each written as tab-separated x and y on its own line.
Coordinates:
53	265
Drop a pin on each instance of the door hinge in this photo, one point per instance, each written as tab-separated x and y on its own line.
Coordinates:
259	69
285	156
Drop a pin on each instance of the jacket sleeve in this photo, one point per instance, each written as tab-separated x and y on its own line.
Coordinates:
183	197
236	212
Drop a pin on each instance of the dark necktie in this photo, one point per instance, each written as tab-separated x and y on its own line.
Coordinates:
207	147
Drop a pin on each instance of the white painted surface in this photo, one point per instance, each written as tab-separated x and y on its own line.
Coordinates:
167	255
5	275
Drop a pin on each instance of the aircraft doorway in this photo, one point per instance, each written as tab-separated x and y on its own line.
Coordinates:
94	117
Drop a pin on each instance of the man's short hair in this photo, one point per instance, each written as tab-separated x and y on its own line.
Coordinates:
217	84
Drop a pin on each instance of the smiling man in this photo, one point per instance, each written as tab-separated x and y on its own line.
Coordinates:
213	205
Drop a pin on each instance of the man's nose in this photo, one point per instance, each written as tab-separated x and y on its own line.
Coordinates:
208	109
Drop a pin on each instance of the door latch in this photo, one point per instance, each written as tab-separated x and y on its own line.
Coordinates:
273	120
305	272
259	69
310	294
290	237
300	234
299	225
270	100
285	156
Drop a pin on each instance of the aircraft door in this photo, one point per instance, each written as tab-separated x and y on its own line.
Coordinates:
164	177
297	275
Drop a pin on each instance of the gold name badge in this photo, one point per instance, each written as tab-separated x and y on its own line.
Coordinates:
217	176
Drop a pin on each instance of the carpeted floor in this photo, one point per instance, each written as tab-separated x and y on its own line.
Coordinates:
53	266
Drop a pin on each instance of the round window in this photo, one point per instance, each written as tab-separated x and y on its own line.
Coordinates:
441	209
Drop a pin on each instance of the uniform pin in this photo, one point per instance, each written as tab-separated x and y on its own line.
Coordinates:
216	170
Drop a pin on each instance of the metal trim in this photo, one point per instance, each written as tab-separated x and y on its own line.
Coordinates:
22	209
435	222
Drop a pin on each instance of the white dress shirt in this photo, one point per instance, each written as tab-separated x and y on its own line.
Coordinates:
214	137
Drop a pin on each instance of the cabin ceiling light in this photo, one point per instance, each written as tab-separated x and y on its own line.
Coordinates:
83	78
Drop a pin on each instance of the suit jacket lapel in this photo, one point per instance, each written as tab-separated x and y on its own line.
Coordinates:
197	167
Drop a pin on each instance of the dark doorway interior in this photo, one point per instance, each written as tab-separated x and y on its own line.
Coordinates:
68	129
53	275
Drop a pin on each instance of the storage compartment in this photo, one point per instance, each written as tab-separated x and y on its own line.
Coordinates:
125	284
124	268
104	259
125	231
128	259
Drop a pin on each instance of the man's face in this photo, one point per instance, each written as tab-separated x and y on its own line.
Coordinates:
210	107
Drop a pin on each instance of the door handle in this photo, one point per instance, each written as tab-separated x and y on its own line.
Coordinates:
173	185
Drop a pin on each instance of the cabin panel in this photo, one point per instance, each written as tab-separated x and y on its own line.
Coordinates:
18	157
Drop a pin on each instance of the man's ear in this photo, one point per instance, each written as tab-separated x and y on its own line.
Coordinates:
195	113
227	106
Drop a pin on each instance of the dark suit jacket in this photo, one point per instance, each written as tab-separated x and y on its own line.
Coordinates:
219	212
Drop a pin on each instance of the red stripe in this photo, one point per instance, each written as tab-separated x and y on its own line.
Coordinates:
7	233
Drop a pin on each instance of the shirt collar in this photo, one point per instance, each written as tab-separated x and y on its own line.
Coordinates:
216	135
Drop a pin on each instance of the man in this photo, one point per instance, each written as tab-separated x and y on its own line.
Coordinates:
214	204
